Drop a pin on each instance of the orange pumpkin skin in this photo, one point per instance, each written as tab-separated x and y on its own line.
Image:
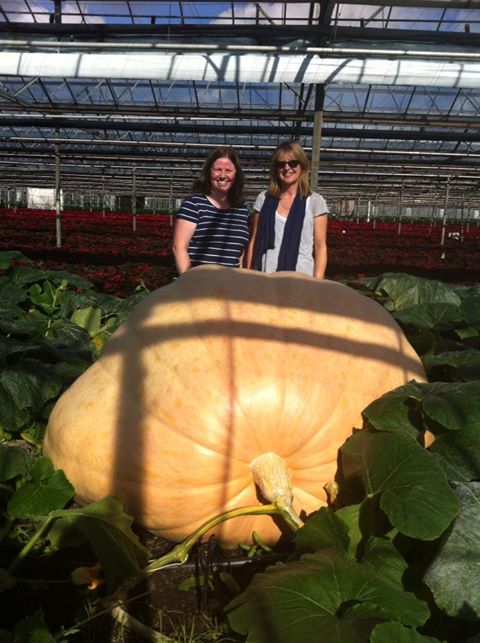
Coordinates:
212	371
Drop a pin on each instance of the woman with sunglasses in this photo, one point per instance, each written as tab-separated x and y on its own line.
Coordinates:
212	224
289	229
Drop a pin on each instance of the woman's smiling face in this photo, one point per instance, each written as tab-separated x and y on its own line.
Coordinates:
222	175
287	174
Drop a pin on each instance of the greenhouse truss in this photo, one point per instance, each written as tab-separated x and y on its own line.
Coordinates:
128	97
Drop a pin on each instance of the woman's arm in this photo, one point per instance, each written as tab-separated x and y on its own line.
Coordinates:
320	245
253	236
182	235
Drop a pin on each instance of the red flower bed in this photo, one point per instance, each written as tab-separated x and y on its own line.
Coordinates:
109	252
105	250
373	248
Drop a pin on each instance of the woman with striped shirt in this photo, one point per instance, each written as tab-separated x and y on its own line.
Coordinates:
212	224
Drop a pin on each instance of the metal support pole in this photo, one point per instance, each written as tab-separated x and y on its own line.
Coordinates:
170	200
444	219
134	200
399	229
103	197
462	221
58	204
317	135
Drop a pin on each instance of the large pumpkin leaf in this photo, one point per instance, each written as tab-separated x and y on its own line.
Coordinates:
412	488
323	529
453	576
341	530
324	597
394	412
454	365
406	290
437	406
7	256
108	530
22	326
397	633
453	406
24	389
10	346
470	307
459	454
14	462
10	296
438	316
25	275
12	418
46	491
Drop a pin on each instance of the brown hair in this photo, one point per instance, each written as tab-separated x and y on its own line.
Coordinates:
299	153
203	184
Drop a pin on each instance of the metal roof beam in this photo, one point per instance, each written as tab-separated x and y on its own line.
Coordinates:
281	130
248	68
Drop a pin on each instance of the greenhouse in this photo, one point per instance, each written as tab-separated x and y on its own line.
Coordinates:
239	321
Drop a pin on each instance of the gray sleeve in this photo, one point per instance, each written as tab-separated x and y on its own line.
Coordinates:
318	205
259	201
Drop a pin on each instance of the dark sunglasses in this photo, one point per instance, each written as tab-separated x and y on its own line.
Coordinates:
281	164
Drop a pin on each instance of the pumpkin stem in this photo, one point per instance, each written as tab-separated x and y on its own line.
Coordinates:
272	477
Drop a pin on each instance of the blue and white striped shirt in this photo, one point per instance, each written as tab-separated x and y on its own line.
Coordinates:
220	236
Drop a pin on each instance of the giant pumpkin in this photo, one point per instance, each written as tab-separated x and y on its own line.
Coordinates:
213	371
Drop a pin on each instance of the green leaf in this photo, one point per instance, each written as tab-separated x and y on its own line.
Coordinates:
31	383
341	530
13	347
6	257
454	365
383	556
14	462
406	290
30	325
394	412
459	453
24	275
437	406
470	308
413	490
454	575
108	530
10	296
43	295
437	316
12	418
24	389
47	491
453	406
323	529
397	633
33	629
88	318
324	597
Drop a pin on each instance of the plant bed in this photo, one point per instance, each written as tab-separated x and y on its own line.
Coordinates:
390	560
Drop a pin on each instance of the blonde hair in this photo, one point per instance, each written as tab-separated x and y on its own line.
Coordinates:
298	153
